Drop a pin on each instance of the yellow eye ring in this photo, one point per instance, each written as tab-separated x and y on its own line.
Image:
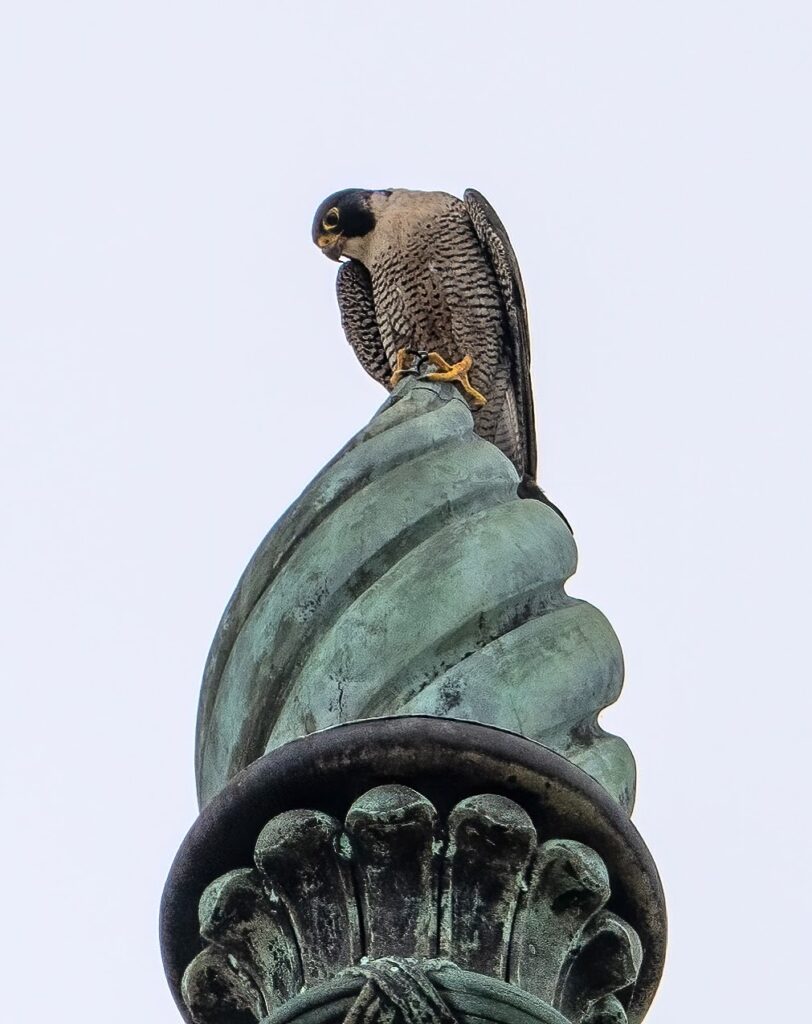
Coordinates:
330	219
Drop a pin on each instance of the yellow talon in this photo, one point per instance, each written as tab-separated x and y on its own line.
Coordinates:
457	372
401	366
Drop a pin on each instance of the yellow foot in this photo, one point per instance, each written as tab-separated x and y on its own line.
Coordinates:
459	373
402	361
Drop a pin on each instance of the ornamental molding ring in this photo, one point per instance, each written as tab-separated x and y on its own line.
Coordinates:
416	838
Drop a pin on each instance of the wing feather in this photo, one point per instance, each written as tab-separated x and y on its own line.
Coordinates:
495	241
357	306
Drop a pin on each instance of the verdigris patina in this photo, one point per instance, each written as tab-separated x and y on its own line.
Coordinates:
325	896
419	838
410	814
409	578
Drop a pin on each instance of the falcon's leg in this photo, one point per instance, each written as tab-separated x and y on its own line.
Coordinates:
458	372
401	365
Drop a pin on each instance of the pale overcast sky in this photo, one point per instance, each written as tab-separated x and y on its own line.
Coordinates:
173	372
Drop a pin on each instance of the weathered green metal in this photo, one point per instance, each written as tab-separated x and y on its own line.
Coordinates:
416	837
430	992
410	814
511	909
409	579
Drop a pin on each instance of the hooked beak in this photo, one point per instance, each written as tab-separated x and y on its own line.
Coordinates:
331	246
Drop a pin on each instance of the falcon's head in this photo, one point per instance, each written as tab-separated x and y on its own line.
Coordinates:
343	217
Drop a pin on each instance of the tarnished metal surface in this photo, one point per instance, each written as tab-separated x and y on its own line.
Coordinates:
490	842
294	917
453	994
409	579
217	990
398	989
527	870
568	883
394	836
237	919
300	866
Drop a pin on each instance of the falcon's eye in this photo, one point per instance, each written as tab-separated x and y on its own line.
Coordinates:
330	219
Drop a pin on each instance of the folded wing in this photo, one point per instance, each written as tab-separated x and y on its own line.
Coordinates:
357	307
495	241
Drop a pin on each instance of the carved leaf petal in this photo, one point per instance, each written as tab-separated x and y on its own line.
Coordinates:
490	841
215	992
393	831
568	883
606	961
298	855
236	915
606	1011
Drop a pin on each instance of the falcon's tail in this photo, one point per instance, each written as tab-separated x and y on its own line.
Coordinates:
528	488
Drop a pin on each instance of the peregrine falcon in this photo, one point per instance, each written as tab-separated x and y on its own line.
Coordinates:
426	272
